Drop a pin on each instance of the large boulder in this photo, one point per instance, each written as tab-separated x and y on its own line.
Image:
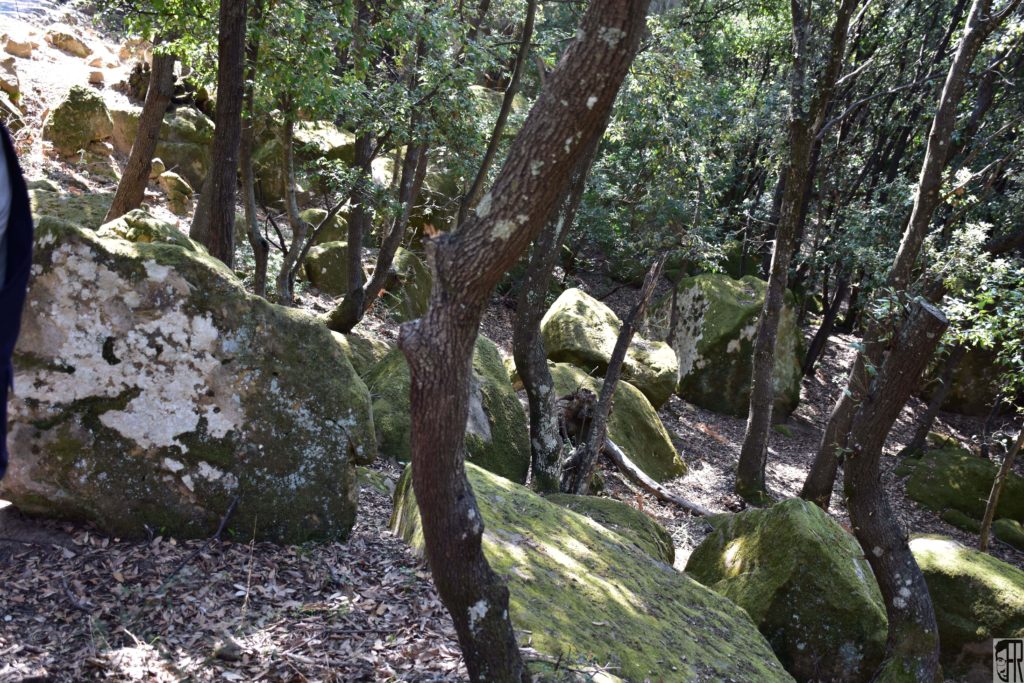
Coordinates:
326	267
184	144
633	425
78	120
364	348
716	319
407	288
141	228
581	330
587	595
976	596
497	433
67	39
87	210
335	230
313	141
153	391
951	478
805	583
975	384
632	524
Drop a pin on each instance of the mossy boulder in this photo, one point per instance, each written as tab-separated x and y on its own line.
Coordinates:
976	596
407	289
364	349
336	229
1009	531
141	228
313	141
632	524
953	479
326	267
805	583
497	432
716	319
975	384
78	120
153	390
587	595
581	330
87	210
634	425
184	144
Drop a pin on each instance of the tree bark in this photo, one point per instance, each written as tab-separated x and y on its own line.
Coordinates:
638	476
803	128
927	418
247	145
213	224
132	187
997	490
286	278
467	264
828	322
912	647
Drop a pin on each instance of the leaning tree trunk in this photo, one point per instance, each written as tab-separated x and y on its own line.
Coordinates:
828	322
132	187
997	491
820	480
927	418
214	222
804	125
467	264
912	648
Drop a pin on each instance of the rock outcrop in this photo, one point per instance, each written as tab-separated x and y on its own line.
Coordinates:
79	120
153	391
588	596
184	143
951	478
805	583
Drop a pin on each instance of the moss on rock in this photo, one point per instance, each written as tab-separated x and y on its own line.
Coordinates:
79	119
581	330
497	432
952	478
805	583
184	143
716	320
407	288
154	390
87	210
1009	531
326	267
335	230
632	524
587	595
634	425
363	348
976	596
140	227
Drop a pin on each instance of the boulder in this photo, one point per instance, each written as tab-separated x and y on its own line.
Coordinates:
581	330
139	227
153	391
179	192
87	210
952	479
633	525
19	46
976	596
336	229
156	167
80	118
326	267
588	596
804	582
1009	531
363	348
184	144
314	140
975	384
9	82
66	39
716	319
497	433
634	425
96	77
407	289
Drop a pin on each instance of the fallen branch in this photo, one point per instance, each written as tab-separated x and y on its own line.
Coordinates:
638	476
202	548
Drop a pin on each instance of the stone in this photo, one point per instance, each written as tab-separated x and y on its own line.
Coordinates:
633	425
153	390
336	229
587	596
139	227
66	39
716	320
975	596
87	210
19	46
156	168
581	330
184	144
975	385
314	140
407	288
326	267
805	583
135	48
179	192
497	432
364	348
1009	531
633	525
96	77
953	479
9	82
97	164
80	118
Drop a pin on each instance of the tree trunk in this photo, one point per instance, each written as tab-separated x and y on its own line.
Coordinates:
467	264
286	278
828	322
927	418
803	128
214	222
247	145
997	490
818	487
912	648
132	187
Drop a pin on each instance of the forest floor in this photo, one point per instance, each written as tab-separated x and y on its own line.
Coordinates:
77	605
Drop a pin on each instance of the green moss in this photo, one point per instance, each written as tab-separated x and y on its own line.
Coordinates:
80	118
585	594
87	210
952	478
1009	531
976	596
138	226
336	229
961	521
632	524
634	425
326	267
785	430
363	348
805	583
407	291
374	479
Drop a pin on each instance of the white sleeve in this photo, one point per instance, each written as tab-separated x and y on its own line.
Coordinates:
5	214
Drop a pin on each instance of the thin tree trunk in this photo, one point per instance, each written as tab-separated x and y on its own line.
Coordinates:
819	483
471	197
286	278
927	418
997	490
132	187
467	264
260	246
912	648
578	467
641	479
828	321
803	128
